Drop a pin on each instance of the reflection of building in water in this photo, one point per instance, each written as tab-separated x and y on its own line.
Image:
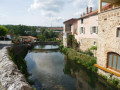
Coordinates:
85	80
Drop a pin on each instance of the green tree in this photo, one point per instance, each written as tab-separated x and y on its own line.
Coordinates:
70	40
3	31
41	37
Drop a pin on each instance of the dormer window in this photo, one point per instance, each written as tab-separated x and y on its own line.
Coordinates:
118	32
94	29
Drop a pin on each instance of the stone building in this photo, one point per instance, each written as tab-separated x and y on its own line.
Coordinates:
85	29
69	27
108	53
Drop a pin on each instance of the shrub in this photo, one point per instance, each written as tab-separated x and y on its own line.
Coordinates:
81	58
93	48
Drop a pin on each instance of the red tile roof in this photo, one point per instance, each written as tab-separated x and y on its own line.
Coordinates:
105	7
32	37
72	19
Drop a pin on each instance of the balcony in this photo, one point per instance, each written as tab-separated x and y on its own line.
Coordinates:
114	3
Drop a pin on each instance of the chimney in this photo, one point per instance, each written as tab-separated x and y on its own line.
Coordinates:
87	10
90	9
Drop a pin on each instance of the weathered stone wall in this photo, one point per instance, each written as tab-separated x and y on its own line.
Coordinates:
10	77
107	41
87	43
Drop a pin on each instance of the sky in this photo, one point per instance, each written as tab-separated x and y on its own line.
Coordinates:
42	12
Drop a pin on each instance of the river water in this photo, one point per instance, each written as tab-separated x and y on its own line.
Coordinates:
51	70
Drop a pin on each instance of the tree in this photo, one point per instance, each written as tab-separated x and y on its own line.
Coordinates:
3	31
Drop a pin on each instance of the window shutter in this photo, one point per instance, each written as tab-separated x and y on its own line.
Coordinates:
84	30
91	31
96	29
80	30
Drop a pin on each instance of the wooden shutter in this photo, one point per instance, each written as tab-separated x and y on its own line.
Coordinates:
80	30
84	30
117	32
91	31
96	29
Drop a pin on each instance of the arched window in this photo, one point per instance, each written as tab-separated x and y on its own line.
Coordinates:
114	61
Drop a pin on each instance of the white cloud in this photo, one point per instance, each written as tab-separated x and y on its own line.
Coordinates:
85	3
47	7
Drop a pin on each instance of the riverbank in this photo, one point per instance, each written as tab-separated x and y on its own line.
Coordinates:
88	62
10	77
83	59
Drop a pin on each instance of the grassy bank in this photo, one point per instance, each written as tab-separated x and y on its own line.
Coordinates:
81	58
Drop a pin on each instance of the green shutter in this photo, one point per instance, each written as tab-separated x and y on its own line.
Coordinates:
91	31
80	30
84	30
97	30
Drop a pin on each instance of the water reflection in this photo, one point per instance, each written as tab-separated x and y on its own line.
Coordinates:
46	47
85	79
53	71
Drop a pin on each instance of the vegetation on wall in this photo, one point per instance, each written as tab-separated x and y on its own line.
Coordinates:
72	42
112	80
81	58
17	54
93	48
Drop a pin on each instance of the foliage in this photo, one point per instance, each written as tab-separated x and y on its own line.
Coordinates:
47	35
93	48
21	30
80	58
87	52
3	31
70	40
17	56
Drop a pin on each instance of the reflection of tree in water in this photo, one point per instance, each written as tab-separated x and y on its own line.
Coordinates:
85	79
42	46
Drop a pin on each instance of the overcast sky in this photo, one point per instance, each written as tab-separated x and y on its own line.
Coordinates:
42	12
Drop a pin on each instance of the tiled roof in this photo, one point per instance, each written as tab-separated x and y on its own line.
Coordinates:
32	37
105	7
72	19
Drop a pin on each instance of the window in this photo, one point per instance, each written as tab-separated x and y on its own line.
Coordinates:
94	29
118	32
114	61
82	21
94	43
82	30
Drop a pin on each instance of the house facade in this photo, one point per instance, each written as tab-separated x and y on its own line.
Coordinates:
108	53
85	29
28	39
69	28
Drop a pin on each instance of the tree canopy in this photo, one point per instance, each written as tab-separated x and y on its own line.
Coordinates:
3	31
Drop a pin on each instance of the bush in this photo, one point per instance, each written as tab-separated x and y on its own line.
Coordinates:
93	48
81	58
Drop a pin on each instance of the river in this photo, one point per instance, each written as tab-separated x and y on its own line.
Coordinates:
51	70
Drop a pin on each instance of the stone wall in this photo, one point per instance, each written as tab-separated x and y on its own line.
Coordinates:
87	43
10	77
108	42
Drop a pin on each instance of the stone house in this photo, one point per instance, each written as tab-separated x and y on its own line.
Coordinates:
28	39
69	28
85	29
108	52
